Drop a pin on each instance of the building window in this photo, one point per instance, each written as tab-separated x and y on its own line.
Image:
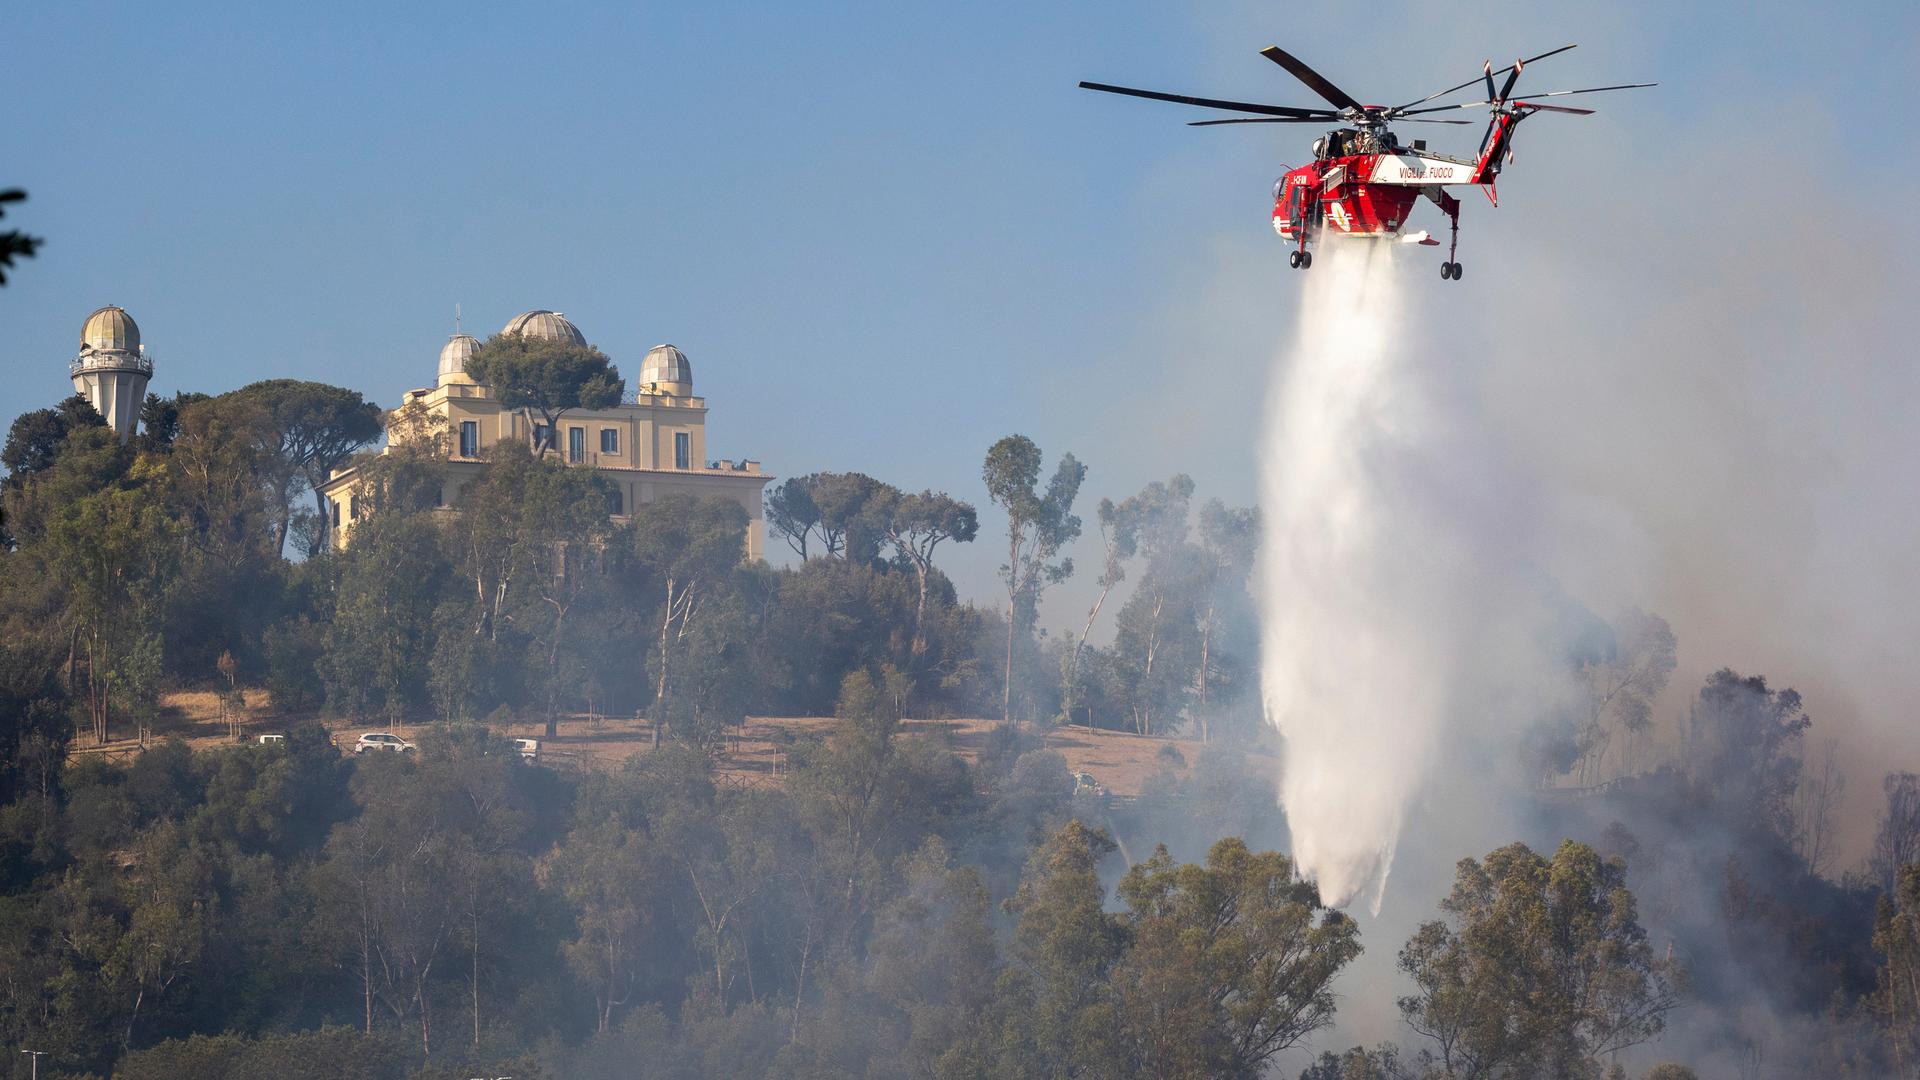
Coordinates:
542	437
619	503
469	438
576	444
609	440
682	450
336	512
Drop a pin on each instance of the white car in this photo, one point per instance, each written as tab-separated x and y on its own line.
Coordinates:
529	748
382	740
273	740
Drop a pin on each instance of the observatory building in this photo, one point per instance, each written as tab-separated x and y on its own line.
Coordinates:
654	443
112	369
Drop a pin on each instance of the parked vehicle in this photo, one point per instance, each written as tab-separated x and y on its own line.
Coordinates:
273	740
529	748
382	740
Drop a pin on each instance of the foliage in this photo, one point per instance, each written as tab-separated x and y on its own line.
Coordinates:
552	378
1228	963
14	244
36	438
1743	743
305	430
1542	967
1039	525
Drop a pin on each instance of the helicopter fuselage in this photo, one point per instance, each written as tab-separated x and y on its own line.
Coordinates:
1369	195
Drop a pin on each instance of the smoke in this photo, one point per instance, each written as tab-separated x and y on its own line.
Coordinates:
1400	619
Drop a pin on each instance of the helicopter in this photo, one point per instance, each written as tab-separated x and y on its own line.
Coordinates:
1362	180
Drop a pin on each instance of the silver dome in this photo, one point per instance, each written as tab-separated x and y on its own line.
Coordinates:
454	356
667	370
546	326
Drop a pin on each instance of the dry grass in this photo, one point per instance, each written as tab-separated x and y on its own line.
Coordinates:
751	754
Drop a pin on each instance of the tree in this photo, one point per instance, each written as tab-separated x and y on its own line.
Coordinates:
932	956
1621	686
917	524
1116	548
380	640
849	511
1229	540
531	527
160	420
1542	968
36	438
14	244
1742	744
1896	838
1815	799
537	375
1228	963
307	429
688	545
1039	525
1896	936
114	549
791	512
1061	1019
1380	1063
614	875
1154	525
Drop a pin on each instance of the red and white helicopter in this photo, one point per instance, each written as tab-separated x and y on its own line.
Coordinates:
1362	181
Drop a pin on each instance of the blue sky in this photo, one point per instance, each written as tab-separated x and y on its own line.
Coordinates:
885	234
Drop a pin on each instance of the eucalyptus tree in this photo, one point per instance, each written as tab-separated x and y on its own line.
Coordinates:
1229	540
688	547
1039	524
1153	524
1541	967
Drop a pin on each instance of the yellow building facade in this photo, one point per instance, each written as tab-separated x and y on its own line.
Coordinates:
651	445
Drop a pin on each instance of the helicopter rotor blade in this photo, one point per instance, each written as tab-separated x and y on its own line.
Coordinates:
1548	94
1315	81
1555	108
1215	103
1422	101
1280	120
1314	120
1513	76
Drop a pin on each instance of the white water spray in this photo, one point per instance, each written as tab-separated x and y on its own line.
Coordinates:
1390	571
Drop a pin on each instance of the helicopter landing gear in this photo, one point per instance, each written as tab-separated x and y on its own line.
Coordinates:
1300	260
1449	270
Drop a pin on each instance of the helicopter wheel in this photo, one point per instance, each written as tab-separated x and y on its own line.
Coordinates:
1293	259
1306	259
1450	271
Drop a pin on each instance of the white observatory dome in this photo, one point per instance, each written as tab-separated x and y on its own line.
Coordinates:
454	356
545	325
666	370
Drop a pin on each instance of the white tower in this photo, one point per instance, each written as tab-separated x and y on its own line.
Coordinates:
112	369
